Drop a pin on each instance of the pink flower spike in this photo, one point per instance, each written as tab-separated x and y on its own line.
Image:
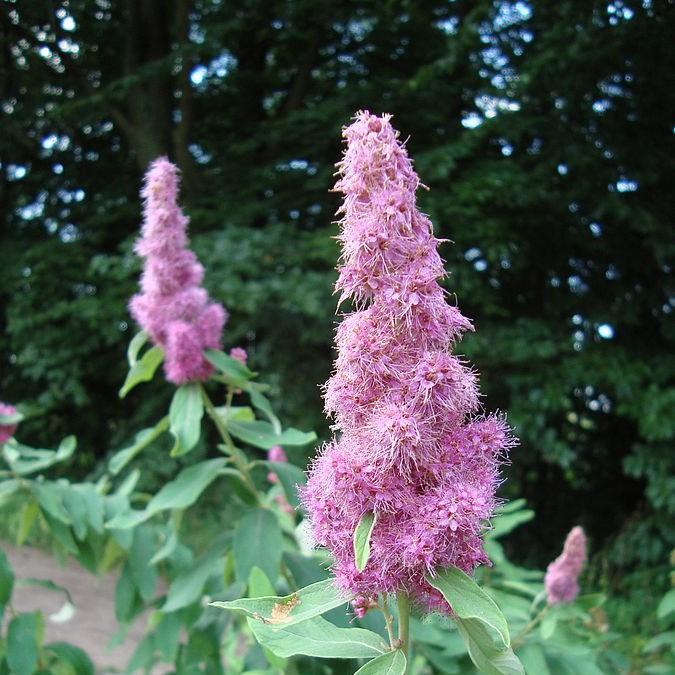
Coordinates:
172	307
562	575
7	430
411	448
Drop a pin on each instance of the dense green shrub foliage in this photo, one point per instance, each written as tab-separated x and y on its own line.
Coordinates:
543	130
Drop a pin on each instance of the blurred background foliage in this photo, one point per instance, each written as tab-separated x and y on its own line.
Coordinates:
543	130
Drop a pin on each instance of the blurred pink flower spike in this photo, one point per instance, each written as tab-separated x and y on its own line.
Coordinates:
172	307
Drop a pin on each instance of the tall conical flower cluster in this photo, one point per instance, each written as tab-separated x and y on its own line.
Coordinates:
412	448
172	307
562	575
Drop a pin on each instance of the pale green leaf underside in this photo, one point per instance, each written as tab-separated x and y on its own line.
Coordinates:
143	370
469	601
480	622
281	612
320	638
361	540
392	663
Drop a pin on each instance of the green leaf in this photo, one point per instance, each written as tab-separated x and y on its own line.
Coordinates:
257	541
659	641
23	643
185	489
442	661
180	493
8	488
470	603
533	659
261	403
392	663
143	573
141	441
76	505
259	585
480	622
74	656
317	637
185	418
166	549
261	434
548	624
95	503
511	506
187	587
6	581
142	657
126	596
10	419
167	635
361	540
143	370
502	524
667	604
235	372
238	413
50	497
135	347
290	476
25	460
485	657
284	611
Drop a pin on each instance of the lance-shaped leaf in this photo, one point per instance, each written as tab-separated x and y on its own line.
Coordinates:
262	434
135	346
290	476
361	541
25	460
392	663
285	611
10	419
185	418
6	581
234	371
320	638
141	441
142	370
485	657
264	406
23	643
480	622
258	530
180	493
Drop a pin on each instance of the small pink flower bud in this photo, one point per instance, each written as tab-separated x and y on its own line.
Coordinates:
276	454
7	430
239	353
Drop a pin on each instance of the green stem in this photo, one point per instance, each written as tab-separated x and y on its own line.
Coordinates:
520	638
403	621
227	439
389	622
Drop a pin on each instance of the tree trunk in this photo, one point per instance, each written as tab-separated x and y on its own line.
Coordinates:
150	98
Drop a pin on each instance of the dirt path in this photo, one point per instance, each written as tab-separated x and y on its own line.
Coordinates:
93	623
